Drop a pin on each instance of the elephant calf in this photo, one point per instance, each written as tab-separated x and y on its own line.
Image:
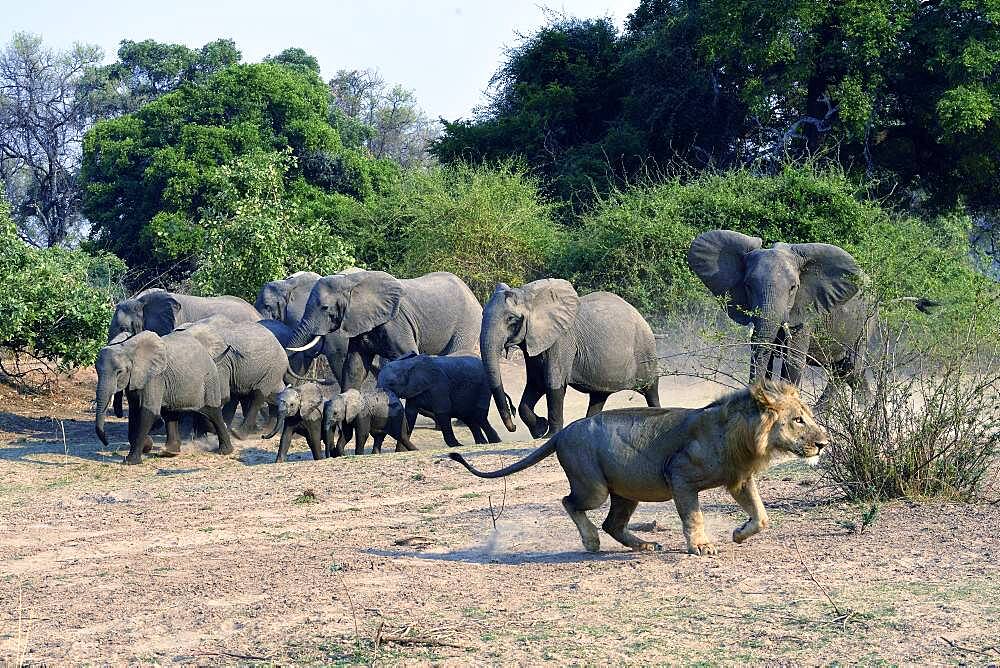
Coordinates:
300	411
364	412
443	387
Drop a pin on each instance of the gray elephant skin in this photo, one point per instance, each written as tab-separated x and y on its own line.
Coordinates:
598	344
791	293
300	411
252	369
383	316
443	387
159	311
285	301
159	376
362	413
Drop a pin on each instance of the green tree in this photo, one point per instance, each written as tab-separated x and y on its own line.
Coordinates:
147	70
255	231
56	303
295	57
148	175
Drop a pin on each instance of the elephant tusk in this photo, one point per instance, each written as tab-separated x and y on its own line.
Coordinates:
309	345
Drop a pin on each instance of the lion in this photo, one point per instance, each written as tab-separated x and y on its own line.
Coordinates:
658	454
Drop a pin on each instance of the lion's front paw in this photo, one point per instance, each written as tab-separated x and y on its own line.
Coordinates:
702	549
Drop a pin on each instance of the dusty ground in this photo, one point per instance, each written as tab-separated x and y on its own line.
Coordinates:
209	559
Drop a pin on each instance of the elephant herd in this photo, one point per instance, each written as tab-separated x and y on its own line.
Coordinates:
397	348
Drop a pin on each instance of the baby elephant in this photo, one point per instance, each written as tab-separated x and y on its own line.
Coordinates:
364	412
443	387
300	411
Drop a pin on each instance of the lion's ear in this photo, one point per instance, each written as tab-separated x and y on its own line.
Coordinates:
767	394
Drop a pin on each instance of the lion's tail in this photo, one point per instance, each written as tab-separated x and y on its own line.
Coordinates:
538	455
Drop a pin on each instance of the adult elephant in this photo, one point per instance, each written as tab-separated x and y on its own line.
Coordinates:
161	376
252	368
435	314
285	301
160	311
598	344
790	293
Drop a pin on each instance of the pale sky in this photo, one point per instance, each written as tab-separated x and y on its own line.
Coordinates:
445	50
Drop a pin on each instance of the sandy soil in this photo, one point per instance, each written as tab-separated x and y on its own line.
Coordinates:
205	559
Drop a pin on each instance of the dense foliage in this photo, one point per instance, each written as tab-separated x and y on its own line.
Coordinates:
56	303
909	89
255	232
148	175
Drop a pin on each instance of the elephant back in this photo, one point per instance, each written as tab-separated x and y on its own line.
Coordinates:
446	313
615	347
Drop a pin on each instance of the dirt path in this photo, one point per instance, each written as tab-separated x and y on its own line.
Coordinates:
210	559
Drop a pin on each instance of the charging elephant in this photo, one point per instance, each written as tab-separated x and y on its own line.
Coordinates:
300	411
597	344
435	314
160	376
252	368
791	293
159	311
443	388
360	413
285	301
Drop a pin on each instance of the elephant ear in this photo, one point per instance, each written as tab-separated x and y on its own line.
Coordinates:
717	257
352	405
373	301
829	276
149	359
160	311
552	307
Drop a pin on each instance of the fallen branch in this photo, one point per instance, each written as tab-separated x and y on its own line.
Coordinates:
812	577
248	657
982	652
414	640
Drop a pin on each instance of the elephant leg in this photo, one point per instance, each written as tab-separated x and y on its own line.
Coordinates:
312	434
597	401
229	411
346	431
377	443
411	416
357	364
251	411
214	416
554	397
173	444
443	421
537	426
283	443
491	434
143	425
652	394
360	438
477	433
404	437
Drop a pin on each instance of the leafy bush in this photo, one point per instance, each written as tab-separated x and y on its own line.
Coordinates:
930	427
255	233
56	303
485	224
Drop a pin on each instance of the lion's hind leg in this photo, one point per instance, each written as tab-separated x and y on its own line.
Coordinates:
584	497
616	524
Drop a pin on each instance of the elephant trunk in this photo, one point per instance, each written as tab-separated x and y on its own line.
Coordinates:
329	430
765	339
104	392
305	333
491	344
279	423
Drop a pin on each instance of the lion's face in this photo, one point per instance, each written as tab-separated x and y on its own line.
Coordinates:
792	426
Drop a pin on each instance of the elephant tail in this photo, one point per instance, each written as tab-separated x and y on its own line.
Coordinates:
538	455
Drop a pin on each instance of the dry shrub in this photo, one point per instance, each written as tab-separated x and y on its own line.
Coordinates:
930	426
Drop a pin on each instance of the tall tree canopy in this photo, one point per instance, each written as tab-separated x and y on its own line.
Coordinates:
148	175
909	89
